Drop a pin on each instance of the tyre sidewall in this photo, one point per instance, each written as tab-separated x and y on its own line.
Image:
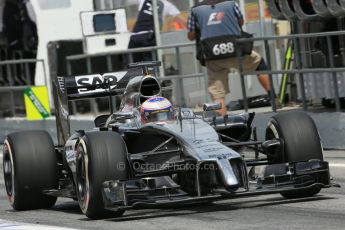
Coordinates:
301	142
103	151
299	135
34	167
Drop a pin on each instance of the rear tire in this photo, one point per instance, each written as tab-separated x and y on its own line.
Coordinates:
101	156
301	142
29	163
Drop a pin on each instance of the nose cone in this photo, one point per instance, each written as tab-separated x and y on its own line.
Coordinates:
230	180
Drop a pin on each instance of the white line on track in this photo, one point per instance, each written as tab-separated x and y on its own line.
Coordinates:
336	165
4	224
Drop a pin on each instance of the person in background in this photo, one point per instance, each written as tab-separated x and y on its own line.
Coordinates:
2	6
12	24
210	21
144	31
30	37
19	27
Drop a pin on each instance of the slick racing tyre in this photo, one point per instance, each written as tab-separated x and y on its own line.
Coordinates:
30	167
101	156
301	142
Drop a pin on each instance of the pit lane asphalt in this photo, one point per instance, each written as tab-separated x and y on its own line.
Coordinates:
324	211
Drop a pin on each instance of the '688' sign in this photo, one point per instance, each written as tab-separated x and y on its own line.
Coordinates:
223	48
219	47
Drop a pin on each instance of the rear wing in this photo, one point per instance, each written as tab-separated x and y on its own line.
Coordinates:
66	89
96	85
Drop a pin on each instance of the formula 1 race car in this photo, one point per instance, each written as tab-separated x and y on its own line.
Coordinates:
125	163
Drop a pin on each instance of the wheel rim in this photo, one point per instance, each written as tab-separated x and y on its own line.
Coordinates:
8	168
82	177
272	132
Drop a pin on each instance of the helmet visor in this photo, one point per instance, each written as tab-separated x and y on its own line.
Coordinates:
160	116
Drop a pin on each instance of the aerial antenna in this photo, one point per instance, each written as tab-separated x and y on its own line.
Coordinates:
194	126
180	117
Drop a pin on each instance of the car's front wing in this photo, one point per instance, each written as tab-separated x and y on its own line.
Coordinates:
279	178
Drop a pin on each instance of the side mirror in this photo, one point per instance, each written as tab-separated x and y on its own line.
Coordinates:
212	106
123	115
187	113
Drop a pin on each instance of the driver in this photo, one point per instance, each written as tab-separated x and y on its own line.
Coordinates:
156	109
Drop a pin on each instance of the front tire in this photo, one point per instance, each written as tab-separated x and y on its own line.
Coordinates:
301	142
29	163
101	156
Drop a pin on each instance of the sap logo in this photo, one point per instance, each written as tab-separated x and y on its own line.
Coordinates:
97	82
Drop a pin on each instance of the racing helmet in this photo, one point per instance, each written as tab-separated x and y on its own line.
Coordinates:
156	109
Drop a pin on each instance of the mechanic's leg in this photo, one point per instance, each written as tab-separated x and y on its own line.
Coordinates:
264	78
254	61
218	82
265	82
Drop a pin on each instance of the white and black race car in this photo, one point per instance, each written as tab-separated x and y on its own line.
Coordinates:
123	164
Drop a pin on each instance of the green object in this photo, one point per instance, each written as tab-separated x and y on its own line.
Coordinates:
287	65
36	102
